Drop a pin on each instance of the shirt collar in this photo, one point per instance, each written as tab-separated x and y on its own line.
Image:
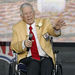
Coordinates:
33	25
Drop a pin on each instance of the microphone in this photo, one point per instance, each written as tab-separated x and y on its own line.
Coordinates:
30	38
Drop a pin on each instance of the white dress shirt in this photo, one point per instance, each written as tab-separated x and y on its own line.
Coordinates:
40	50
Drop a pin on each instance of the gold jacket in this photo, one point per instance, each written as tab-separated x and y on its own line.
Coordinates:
20	33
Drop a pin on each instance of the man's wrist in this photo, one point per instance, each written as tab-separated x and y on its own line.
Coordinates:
56	28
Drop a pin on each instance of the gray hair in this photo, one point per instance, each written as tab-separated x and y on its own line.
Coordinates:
25	5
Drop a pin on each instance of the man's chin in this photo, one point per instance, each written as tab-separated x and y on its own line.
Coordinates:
30	22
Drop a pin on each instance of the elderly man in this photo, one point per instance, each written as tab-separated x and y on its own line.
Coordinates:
34	50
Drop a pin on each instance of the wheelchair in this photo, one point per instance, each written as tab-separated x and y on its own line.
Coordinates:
17	68
21	69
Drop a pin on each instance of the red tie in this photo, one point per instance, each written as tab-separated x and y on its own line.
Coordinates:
34	50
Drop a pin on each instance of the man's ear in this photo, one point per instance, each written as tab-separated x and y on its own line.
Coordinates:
21	15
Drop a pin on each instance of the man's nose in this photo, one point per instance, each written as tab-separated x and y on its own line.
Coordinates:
28	15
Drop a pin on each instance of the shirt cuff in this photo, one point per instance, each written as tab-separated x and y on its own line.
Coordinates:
23	46
57	32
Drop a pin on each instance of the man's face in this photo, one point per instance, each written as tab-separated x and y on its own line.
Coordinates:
28	15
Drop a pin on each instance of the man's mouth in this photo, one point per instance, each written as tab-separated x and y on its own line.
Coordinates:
30	19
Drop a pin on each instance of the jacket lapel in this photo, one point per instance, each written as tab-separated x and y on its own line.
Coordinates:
25	30
38	30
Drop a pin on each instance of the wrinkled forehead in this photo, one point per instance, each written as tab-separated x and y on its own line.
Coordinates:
27	10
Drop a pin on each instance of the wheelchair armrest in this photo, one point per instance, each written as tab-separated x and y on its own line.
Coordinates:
56	51
22	67
51	40
13	51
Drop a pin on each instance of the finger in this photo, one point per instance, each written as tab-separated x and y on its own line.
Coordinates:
29	41
63	24
29	45
32	40
61	21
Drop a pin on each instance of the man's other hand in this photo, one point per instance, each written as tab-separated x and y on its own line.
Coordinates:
60	23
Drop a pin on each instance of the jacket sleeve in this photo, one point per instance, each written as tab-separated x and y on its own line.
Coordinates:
16	45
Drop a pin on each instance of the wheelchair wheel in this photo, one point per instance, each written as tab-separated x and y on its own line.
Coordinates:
22	73
59	70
